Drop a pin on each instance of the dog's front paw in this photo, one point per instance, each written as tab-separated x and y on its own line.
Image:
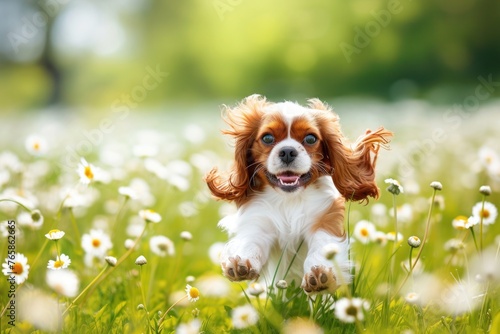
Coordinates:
320	278
238	269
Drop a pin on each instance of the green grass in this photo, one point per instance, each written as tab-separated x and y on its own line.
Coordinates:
111	303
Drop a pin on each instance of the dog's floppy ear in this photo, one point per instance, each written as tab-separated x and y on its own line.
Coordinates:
244	121
352	166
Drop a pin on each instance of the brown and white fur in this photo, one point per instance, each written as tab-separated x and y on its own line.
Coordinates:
293	171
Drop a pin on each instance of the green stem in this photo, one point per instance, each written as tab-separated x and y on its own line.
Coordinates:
75	226
85	290
474	237
424	240
16	202
169	309
481	226
142	290
427	227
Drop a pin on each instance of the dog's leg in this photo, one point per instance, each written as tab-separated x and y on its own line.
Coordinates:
322	274
245	254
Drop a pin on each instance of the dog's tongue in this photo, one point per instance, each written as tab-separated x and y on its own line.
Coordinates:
288	179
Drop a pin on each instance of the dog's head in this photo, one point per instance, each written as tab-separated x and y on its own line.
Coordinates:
287	146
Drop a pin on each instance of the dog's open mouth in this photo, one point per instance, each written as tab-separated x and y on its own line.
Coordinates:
288	181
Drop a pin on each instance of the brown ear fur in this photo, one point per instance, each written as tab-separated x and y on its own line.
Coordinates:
243	121
352	167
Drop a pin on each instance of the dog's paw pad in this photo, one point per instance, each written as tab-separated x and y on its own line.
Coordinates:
320	278
238	269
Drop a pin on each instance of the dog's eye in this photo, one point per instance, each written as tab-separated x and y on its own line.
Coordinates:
310	139
268	139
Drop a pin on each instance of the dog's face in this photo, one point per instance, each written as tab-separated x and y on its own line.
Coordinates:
288	148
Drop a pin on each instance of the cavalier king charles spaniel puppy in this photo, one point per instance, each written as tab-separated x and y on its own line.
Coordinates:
293	171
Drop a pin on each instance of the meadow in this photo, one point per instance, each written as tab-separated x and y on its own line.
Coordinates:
140	243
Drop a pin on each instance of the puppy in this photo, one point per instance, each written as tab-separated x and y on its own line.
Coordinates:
293	171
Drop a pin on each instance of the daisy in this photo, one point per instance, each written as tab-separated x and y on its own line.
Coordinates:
193	294
414	241
141	260
394	187
150	216
161	246
192	327
255	289
330	250
128	192
33	220
36	145
61	262
364	231
488	213
351	309
412	298
89	173
17	267
215	251
380	238
460	223
186	236
244	316
96	242
64	282
54	234
391	236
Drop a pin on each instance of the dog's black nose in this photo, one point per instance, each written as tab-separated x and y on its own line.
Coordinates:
288	154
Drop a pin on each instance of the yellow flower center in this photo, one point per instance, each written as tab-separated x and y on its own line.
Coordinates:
484	213
194	293
17	268
88	172
352	310
364	232
96	242
36	146
58	264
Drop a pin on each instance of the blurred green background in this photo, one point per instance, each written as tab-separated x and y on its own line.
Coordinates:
107	54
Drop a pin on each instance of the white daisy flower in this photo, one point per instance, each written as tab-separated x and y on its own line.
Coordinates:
16	267
351	309
244	316
394	187
488	157
192	293
61	262
214	286
36	145
64	282
489	213
330	250
34	221
255	289
215	251
161	246
380	238
96	243
391	236
412	298
186	236
89	173
141	260
150	216
128	192
54	234
364	231
192	327
460	223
